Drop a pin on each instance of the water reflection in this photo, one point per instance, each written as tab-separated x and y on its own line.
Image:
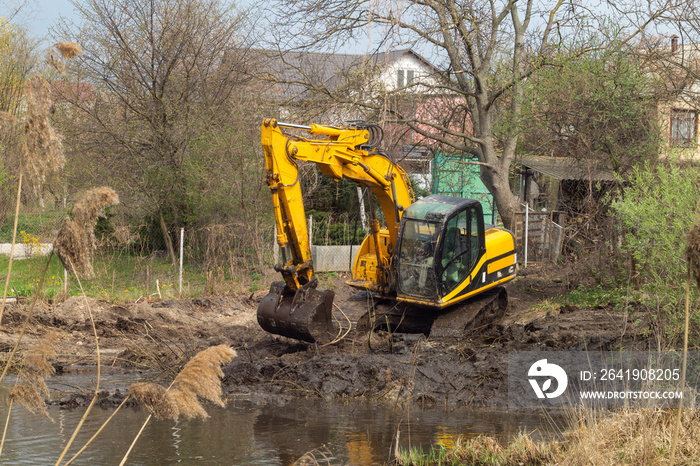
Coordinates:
245	433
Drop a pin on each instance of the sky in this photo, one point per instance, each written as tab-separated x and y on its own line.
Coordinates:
38	15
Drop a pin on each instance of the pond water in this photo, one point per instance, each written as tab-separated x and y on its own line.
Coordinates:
245	434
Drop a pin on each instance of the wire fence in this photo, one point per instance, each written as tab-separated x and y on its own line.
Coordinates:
133	262
138	261
538	238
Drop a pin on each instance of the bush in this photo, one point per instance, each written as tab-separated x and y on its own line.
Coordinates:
656	213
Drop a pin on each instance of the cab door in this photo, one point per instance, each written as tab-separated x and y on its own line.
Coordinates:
460	249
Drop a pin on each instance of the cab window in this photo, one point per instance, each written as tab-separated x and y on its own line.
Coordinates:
460	248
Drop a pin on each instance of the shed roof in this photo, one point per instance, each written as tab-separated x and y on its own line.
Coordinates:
567	168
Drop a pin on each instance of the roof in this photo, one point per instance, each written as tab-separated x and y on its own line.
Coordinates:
294	72
567	168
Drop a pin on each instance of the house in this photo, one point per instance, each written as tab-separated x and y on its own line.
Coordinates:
677	110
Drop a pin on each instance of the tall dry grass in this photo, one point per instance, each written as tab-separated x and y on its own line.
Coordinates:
42	146
68	50
199	378
71	247
75	242
156	398
30	389
595	437
61	52
7	122
42	152
632	436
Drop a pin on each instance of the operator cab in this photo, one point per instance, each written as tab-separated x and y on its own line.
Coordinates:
441	239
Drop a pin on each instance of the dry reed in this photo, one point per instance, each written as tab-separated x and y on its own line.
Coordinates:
640	436
595	437
90	206
7	122
31	397
97	383
201	375
35	366
71	247
53	60
188	404
200	378
75	241
157	399
68	50
42	147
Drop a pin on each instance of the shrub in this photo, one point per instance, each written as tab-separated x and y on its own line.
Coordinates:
656	213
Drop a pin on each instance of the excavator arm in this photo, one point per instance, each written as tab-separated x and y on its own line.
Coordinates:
294	306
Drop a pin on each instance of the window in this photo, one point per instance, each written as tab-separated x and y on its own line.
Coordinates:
460	248
683	127
404	77
415	266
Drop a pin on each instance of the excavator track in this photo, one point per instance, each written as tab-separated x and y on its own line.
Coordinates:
456	322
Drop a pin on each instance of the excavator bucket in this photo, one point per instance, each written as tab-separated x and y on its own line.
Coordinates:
303	315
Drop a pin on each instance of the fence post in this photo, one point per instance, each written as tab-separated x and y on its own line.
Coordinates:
182	243
311	230
527	212
363	215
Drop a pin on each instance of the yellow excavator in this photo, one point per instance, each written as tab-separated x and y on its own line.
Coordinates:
435	258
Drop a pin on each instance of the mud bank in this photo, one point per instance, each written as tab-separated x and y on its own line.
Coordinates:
156	338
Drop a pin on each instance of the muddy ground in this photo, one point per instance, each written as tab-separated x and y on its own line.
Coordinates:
152	340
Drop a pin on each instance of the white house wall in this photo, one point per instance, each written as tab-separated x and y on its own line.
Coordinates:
407	62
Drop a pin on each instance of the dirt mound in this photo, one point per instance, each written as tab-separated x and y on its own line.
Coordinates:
143	335
400	367
163	335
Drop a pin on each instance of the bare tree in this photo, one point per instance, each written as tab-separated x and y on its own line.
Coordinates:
485	50
676	60
156	75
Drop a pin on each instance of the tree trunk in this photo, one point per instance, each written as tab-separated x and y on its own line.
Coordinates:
496	181
167	238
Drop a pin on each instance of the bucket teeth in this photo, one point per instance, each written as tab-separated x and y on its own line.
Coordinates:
303	315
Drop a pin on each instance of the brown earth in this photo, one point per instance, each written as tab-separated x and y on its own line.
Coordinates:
157	338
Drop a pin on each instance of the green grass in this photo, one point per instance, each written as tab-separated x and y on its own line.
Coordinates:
598	296
436	455
121	277
41	224
482	450
118	278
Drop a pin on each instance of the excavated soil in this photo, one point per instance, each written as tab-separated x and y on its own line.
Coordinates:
154	340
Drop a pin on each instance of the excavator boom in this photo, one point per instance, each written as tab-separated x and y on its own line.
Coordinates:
294	308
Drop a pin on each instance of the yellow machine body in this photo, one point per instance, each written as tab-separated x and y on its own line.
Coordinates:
433	253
